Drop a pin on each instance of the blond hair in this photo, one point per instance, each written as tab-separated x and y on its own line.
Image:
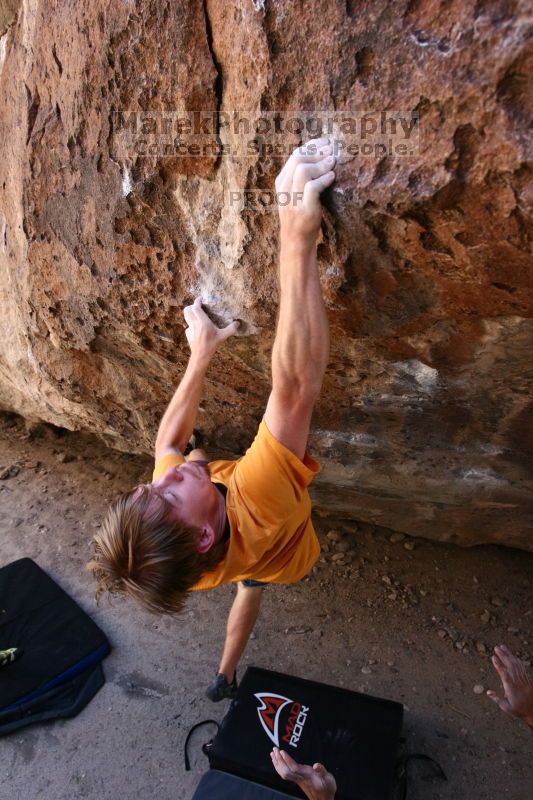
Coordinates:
148	556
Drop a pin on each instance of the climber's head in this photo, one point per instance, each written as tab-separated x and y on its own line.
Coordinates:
158	539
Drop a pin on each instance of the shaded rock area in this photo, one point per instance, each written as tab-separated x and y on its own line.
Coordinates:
424	424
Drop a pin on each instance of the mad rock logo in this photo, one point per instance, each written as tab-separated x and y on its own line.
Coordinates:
283	725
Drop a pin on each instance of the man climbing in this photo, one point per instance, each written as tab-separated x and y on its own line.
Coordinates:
199	524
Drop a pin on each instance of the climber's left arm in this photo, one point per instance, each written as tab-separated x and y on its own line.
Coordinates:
178	421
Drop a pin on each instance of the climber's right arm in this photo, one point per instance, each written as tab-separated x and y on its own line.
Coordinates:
204	338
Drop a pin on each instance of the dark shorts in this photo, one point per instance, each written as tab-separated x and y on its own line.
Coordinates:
250	582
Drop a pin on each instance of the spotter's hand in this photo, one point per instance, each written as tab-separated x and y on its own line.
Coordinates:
516	698
315	782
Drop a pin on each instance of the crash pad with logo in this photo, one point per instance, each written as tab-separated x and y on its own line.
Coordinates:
354	735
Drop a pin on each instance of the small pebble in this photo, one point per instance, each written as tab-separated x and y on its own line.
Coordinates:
485	617
351	528
409	545
497	601
479	689
442	633
343	547
333	536
9	472
397	537
366	670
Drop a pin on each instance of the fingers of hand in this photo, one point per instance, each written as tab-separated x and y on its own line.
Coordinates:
510	673
499	667
501	702
505	655
516	670
230	330
279	765
505	650
522	673
313	144
291	763
310	153
517	676
304	173
192	314
199	311
314	188
193	308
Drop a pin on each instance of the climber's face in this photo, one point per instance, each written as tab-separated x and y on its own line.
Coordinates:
189	491
191	497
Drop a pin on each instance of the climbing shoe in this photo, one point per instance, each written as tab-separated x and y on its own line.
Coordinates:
196	440
220	689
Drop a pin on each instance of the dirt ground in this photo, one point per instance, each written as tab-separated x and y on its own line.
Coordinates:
392	616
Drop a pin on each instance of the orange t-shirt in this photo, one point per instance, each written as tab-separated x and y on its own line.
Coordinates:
272	538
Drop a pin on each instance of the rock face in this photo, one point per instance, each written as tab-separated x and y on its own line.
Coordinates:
425	422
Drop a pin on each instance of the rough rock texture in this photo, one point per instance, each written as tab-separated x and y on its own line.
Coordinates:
425	422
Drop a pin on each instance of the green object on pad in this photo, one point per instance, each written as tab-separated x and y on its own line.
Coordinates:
9	655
